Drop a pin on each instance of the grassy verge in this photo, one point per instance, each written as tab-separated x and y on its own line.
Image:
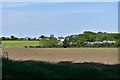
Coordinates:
38	70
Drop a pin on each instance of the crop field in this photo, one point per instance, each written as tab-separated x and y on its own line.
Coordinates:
75	55
19	44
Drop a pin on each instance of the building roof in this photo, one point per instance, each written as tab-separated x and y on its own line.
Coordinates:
61	37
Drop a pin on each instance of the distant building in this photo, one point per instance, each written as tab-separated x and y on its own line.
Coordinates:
51	36
39	38
43	37
60	39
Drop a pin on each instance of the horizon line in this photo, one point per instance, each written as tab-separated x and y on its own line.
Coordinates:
60	35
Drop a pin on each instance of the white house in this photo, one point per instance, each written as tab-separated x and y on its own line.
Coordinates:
60	39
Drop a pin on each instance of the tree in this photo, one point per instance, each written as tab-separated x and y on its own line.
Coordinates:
42	36
3	38
49	42
13	38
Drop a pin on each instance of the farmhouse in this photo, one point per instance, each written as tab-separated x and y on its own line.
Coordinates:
60	40
52	36
44	37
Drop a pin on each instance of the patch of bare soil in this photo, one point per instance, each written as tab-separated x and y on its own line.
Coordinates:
98	55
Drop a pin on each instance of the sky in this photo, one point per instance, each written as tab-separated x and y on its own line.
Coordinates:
60	0
32	19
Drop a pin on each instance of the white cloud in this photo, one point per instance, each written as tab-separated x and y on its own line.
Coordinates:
37	18
14	4
53	12
23	4
87	11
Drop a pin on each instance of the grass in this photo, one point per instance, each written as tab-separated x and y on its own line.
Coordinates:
39	70
19	44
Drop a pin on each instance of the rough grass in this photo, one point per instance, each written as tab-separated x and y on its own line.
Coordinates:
38	70
19	44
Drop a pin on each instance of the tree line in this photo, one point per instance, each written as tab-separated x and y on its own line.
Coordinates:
14	38
85	39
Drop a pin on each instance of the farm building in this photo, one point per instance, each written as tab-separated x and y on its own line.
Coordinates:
52	36
43	37
60	40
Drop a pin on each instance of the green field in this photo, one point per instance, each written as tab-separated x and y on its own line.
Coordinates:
19	44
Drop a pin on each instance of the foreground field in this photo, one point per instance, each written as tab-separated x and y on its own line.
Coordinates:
19	44
98	55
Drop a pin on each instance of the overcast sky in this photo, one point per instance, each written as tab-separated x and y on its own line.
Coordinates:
58	18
